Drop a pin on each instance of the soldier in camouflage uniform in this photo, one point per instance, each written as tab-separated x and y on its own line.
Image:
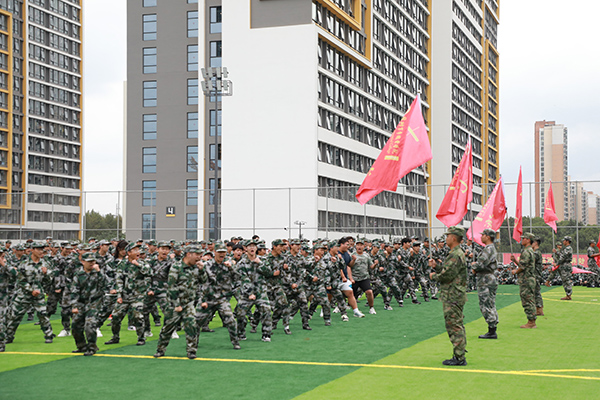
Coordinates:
217	292
86	293
185	277
292	280
404	271
275	261
452	275
318	279
525	272
253	273
539	268
31	274
418	260
8	273
386	270
484	269
375	276
110	269
160	275
592	253
336	264
133	282
564	259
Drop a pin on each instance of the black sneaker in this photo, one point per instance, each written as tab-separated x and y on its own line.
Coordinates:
306	327
236	346
89	353
191	356
327	322
30	318
49	340
416	301
2	348
455	361
159	353
242	337
9	340
156	323
253	329
37	323
112	341
287	331
140	342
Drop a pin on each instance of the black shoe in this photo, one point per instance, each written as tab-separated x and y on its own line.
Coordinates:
236	346
156	323
159	353
49	340
455	361
191	356
416	302
426	299
89	353
140	342
401	304
491	334
434	298
37	323
112	341
242	337
207	329
306	327
327	322
2	348
286	330
78	351
9	340
30	318
253	329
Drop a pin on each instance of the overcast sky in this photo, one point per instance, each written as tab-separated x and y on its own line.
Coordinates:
549	69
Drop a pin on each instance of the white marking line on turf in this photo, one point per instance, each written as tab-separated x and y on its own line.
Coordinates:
572	301
540	373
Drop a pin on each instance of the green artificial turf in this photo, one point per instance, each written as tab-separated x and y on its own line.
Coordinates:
415	330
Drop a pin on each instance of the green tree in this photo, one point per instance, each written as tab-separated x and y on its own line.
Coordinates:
102	226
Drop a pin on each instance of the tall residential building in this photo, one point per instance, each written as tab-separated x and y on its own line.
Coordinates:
319	88
40	119
551	164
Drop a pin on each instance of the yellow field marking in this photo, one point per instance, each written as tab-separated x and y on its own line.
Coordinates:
540	373
564	370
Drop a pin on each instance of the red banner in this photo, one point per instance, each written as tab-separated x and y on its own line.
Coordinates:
491	215
460	193
550	217
518	230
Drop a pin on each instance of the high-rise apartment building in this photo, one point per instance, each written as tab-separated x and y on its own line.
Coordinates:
551	164
40	119
319	88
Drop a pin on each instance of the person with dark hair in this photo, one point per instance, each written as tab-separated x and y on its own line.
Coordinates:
592	253
110	270
347	280
539	302
484	270
526	278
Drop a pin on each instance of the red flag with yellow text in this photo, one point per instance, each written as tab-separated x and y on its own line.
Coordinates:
491	215
550	217
518	229
460	193
406	149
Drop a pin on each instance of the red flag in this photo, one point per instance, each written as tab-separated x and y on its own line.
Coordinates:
491	215
518	230
597	258
407	148
460	193
581	271
550	217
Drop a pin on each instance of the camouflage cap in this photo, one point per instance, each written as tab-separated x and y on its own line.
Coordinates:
277	242
92	238
38	245
20	247
568	239
489	232
333	244
192	249
219	247
426	240
320	245
262	245
88	256
164	244
397	240
360	240
416	244
251	242
529	235
132	246
592	242
152	242
295	241
456	231
95	246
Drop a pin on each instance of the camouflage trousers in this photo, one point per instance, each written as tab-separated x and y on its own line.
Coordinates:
65	309
539	302
406	283
594	278
527	292
280	305
136	307
204	315
4	315
20	305
319	297
424	282
106	308
150	302
453	316
173	319
393	288
263	308
85	323
379	288
566	274
297	301
338	299
487	284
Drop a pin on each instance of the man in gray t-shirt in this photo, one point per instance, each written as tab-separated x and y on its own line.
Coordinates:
360	273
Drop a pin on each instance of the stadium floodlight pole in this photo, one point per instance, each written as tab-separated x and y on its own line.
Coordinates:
215	85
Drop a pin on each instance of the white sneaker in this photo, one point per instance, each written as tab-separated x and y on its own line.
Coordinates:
336	310
321	315
388	308
64	333
131	328
372	311
174	335
148	334
358	314
345	318
99	333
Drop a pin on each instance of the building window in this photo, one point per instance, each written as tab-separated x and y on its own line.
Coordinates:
211	192
192	1
192	92
149	127
192	125
149	3
192	23
215	119
192	192
149	193
149	26
150	60
215	53
191	223
212	156
150	94
215	19
192	57
149	160
148	226
192	159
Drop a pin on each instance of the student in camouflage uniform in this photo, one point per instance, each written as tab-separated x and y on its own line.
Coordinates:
253	273
161	264
452	275
592	253
564	259
539	268
418	260
275	261
133	281
525	272
65	270
336	264
292	280
375	277
7	274
484	269
110	270
318	279
217	293
86	292
185	277
386	268
31	274
404	272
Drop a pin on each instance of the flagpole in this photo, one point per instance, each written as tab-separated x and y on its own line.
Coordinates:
428	232
509	235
